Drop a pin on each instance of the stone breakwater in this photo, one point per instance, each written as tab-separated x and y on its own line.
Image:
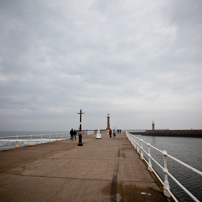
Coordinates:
174	133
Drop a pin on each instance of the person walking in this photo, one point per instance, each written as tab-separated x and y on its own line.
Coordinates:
110	133
114	132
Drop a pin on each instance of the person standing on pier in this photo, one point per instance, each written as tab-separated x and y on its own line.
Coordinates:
71	134
75	133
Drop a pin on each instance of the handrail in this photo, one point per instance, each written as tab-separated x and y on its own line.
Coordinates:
4	137
167	192
177	160
186	165
12	142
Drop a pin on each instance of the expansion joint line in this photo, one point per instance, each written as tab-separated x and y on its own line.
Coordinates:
113	193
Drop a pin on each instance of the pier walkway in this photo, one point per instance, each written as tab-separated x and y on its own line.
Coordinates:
106	169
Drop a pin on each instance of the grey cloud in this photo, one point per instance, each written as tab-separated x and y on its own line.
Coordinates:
132	58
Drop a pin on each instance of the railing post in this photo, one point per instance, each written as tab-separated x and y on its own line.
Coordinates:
56	137
141	154
30	140
131	140
50	138
149	157
62	136
138	151
41	138
166	186
16	145
134	143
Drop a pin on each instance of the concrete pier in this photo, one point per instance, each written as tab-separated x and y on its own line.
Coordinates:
108	169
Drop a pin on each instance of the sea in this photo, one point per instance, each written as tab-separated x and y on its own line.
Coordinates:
24	138
186	149
8	139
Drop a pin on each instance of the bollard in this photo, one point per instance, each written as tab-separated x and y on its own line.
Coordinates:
141	154
62	136
98	135
16	145
41	138
50	138
30	140
166	186
56	137
149	158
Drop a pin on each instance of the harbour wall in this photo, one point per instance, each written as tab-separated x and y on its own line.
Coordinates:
173	133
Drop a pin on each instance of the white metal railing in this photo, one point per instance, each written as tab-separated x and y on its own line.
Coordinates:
11	142
137	144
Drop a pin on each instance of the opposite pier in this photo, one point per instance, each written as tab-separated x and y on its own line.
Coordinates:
106	169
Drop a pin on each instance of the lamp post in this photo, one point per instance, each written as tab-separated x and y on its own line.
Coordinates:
80	131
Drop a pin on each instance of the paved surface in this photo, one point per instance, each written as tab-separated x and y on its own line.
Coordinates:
106	169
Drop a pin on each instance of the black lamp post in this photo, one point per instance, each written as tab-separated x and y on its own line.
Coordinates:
80	131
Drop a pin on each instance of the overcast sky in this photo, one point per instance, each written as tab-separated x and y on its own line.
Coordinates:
139	61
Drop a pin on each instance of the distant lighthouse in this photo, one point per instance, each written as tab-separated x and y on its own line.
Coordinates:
153	126
108	122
